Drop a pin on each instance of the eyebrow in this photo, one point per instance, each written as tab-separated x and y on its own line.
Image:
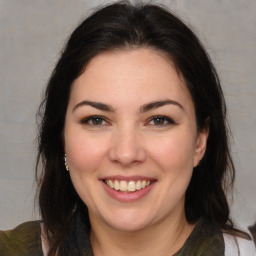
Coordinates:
157	104
144	108
98	105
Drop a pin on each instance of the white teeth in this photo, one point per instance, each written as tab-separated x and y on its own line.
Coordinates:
138	185
116	185
111	184
131	186
125	186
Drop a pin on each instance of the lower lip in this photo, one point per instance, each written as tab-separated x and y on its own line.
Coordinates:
127	197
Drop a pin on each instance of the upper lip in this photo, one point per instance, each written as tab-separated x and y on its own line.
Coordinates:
127	178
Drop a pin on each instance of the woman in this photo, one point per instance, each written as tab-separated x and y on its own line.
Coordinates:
133	148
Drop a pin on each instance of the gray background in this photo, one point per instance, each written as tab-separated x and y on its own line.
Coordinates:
32	33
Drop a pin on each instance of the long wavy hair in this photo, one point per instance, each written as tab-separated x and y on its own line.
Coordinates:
126	26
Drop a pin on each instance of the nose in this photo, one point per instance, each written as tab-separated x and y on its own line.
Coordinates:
127	147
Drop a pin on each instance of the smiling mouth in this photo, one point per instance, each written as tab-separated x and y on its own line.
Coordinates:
127	186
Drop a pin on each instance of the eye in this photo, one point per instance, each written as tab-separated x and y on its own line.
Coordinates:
160	121
94	121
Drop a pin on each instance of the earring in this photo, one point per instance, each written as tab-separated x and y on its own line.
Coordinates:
65	161
197	165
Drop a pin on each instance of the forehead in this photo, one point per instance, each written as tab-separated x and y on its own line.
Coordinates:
136	74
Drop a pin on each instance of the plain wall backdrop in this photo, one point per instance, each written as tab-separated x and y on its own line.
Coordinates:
32	34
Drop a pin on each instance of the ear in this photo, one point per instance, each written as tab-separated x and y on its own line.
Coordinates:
201	144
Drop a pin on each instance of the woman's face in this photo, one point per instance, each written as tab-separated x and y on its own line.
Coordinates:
131	139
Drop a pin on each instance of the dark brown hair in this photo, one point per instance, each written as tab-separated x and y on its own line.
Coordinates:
253	232
123	26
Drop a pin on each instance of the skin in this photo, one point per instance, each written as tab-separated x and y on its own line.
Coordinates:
129	142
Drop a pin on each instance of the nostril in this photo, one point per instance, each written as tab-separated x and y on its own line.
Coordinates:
127	156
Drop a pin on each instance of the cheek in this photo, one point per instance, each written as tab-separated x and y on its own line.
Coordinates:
174	152
84	153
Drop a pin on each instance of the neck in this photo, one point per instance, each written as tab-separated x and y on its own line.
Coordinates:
107	241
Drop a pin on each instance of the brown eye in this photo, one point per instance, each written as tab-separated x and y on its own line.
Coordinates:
161	121
94	121
97	121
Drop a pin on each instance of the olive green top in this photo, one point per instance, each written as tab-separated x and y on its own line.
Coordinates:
205	240
25	240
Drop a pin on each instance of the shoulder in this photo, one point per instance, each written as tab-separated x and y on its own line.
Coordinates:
236	246
205	240
25	239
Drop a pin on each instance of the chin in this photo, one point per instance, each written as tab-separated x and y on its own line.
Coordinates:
123	226
129	221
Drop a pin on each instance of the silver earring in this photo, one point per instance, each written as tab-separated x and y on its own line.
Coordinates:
66	164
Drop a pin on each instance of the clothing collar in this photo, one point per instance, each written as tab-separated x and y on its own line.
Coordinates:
205	239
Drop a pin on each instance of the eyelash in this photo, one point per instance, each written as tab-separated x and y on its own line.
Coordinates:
91	119
165	121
